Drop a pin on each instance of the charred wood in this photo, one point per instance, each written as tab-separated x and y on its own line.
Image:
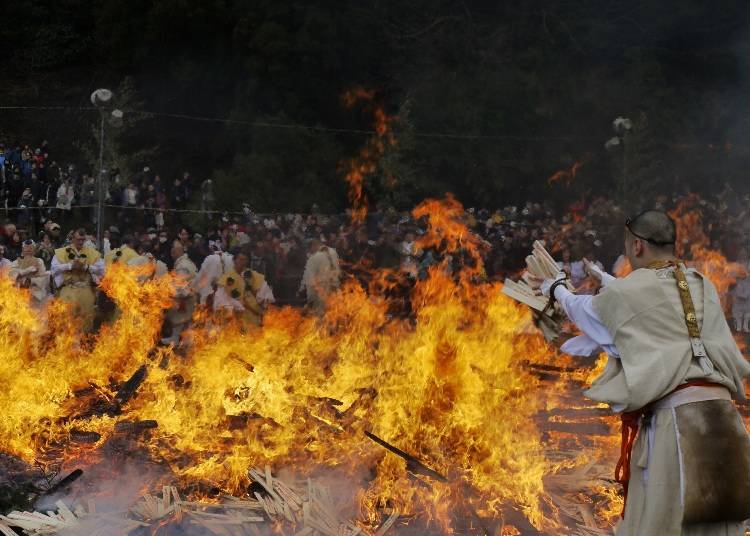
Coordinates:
84	437
134	427
65	482
413	465
130	387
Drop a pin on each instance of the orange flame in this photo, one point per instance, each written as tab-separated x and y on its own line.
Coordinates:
566	176
693	245
447	386
357	169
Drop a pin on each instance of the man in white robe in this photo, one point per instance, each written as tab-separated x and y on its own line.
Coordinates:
321	277
673	368
181	313
29	272
212	268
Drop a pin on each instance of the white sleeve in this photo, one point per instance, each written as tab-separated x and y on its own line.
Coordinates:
581	312
14	271
41	270
307	275
265	294
222	300
57	270
97	270
604	276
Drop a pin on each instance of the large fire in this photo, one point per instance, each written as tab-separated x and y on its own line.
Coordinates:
494	429
446	385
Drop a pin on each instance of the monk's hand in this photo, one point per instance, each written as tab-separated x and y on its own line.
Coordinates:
592	269
547	284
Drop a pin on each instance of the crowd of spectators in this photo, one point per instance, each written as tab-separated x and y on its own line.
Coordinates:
40	197
37	187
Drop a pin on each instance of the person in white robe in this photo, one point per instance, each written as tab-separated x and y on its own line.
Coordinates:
181	313
673	368
29	272
321	277
212	268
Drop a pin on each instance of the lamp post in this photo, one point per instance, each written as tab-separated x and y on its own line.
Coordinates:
622	127
101	98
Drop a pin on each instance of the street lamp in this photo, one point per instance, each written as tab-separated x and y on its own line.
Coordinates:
622	127
102	98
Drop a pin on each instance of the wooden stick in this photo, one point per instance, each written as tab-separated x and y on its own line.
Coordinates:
388	524
536	303
549	269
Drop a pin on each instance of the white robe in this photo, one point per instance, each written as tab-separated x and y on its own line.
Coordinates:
321	277
213	267
39	280
655	504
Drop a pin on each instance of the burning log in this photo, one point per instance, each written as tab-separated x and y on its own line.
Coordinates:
84	437
242	420
65	482
247	366
102	405
413	465
135	427
130	387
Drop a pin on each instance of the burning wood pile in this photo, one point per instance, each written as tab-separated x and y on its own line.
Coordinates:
457	420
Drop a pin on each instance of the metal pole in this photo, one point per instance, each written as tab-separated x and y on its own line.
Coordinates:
100	190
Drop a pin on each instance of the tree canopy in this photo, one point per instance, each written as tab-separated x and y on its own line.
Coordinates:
489	99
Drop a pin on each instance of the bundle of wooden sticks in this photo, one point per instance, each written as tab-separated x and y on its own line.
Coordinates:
539	265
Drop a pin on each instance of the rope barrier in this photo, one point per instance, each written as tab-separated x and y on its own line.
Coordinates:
155	210
319	128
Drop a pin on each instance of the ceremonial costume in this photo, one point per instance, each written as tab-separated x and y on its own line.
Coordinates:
29	272
184	299
123	255
213	267
76	283
321	277
672	370
246	293
151	267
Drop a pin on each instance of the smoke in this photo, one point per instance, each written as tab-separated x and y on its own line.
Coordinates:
107	489
106	496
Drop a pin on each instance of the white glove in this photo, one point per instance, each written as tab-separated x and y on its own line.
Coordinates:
592	269
547	283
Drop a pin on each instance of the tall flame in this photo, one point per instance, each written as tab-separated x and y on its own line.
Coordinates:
357	169
446	386
694	245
